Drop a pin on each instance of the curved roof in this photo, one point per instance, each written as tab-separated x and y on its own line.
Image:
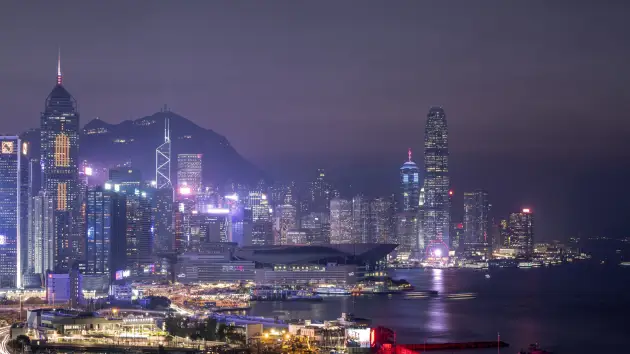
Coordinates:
409	164
361	253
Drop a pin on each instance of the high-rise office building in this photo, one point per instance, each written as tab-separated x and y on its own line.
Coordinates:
410	185
521	227
285	220
340	221
476	218
317	227
105	232
163	211
407	224
320	192
436	221
164	194
361	220
259	204
189	171
128	178
457	235
139	233
41	234
213	225
163	160
382	220
60	162
13	211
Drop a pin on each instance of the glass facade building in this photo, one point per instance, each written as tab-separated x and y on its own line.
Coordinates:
476	218
59	148
521	229
340	221
105	232
410	186
189	168
13	211
436	223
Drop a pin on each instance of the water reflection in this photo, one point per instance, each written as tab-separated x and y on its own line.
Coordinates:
437	321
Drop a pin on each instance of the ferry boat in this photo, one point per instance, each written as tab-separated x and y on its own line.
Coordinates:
625	264
331	290
380	290
303	295
525	264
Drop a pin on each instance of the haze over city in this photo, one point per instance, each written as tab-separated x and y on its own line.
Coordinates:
535	100
314	176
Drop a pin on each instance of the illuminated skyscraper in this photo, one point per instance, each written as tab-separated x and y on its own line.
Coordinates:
317	226
60	167
163	160
410	185
340	221
139	233
13	211
476	218
321	193
521	228
285	220
41	234
189	171
436	222
382	220
360	220
105	232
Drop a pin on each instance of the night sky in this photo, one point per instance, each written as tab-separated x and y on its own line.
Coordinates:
536	92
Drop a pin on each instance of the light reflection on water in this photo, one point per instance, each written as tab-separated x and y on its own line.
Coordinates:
437	321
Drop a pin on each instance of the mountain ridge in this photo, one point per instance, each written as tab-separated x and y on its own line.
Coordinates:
135	141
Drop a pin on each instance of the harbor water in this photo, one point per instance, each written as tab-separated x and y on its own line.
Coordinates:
577	308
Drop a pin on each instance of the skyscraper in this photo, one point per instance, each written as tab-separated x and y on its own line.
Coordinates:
317	226
382	220
60	167
521	227
41	234
476	218
163	160
13	211
321	192
105	232
164	194
436	222
163	206
340	221
189	171
285	221
360	220
410	185
139	233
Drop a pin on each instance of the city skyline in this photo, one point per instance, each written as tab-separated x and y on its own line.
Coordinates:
493	124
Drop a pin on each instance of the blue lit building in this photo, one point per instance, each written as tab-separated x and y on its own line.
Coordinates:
410	185
105	232
13	211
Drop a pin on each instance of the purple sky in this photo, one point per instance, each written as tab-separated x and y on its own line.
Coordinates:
324	81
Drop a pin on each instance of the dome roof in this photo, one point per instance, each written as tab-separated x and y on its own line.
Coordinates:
408	164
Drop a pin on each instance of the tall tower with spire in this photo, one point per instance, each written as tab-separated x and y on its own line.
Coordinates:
437	184
59	125
164	195
163	160
410	185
